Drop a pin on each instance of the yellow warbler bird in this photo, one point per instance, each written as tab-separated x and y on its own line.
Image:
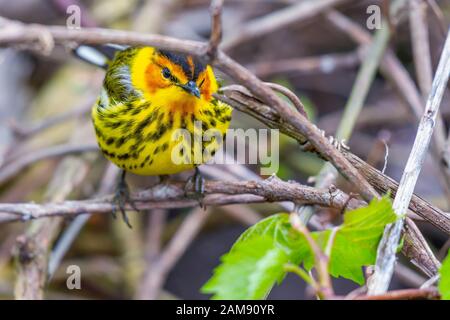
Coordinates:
150	97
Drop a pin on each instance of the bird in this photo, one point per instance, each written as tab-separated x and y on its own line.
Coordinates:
156	114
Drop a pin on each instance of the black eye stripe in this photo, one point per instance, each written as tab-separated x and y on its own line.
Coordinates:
201	83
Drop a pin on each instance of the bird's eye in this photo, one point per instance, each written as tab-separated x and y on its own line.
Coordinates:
166	73
201	83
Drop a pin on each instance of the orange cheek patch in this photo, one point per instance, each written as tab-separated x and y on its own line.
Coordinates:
153	78
206	88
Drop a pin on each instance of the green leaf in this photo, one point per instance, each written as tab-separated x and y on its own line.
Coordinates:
256	261
249	271
278	228
355	243
357	240
444	282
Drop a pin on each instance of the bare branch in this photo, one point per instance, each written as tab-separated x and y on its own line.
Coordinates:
406	294
326	64
396	73
14	167
34	245
415	246
240	100
439	16
67	238
295	13
290	95
151	283
388	245
24	131
172	195
174	250
320	258
216	28
421	45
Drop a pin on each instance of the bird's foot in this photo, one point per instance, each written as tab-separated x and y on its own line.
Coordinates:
195	188
121	198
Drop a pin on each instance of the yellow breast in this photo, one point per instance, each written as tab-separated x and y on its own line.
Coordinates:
149	139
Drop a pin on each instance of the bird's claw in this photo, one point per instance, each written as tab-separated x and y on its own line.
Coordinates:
195	188
120	200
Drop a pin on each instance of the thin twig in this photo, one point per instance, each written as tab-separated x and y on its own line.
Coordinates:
320	258
290	95
416	247
172	253
295	13
430	282
33	246
443	25
150	285
299	122
424	73
421	45
8	171
408	277
326	63
24	131
68	237
216	28
388	245
405	294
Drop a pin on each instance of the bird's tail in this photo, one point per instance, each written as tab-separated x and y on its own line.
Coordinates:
100	55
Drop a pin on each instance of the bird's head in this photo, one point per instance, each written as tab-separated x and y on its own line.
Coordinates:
177	79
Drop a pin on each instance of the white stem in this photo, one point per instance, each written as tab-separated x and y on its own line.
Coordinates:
387	248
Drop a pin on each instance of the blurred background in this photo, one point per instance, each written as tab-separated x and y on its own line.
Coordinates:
44	111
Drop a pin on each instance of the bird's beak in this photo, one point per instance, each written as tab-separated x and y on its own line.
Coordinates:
191	88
